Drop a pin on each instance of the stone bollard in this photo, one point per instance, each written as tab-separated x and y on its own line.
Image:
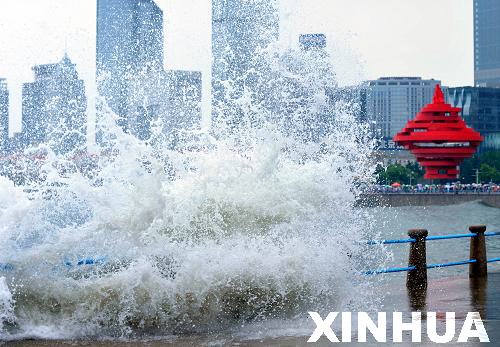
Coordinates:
479	269
417	279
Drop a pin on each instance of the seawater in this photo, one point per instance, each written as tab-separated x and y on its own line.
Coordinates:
448	291
394	223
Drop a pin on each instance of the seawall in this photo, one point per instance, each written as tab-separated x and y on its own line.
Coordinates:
424	199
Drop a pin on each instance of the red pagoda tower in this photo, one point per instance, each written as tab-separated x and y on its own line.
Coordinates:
439	138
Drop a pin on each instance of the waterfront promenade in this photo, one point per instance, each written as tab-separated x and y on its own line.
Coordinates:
401	198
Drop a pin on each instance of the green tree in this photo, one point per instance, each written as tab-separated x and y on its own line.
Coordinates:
489	173
394	173
416	172
468	170
491	158
492	161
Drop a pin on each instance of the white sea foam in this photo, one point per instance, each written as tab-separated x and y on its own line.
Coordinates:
228	233
197	235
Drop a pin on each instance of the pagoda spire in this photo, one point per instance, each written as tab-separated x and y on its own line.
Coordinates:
438	95
439	138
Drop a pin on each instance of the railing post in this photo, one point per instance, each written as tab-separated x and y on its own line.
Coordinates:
479	269
417	279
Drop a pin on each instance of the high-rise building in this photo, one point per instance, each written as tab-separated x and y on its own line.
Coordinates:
4	116
487	43
130	73
241	29
129	43
480	110
317	68
54	107
392	101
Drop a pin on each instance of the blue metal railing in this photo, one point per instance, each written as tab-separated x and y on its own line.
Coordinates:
453	263
389	270
85	261
388	242
6	267
430	238
430	266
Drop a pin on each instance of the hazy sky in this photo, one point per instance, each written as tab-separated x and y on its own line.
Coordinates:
366	38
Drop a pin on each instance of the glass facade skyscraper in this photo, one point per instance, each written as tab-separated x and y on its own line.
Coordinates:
130	73
129	43
480	110
240	30
487	43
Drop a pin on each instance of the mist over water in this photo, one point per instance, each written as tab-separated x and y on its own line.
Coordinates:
196	231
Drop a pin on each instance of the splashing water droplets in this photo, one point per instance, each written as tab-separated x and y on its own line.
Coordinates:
199	231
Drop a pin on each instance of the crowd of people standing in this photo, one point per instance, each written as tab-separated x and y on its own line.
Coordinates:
448	188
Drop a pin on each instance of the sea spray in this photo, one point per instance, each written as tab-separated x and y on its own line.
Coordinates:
195	240
201	231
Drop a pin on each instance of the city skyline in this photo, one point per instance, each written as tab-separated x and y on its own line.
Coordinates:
186	43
